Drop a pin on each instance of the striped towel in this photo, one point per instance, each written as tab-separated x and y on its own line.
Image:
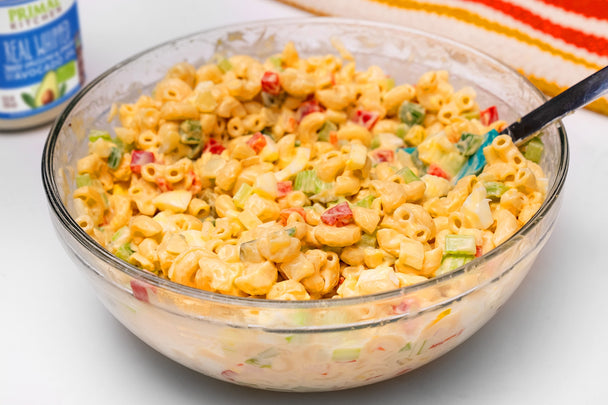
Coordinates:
554	43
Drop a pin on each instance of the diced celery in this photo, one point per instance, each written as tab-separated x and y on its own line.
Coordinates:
375	143
263	359
452	262
411	113
477	161
190	132
460	244
96	134
470	115
114	158
242	194
408	175
327	128
389	83
125	251
401	130
83	180
277	62
533	149
224	65
495	189
365	202
469	143
306	182
368	240
118	233
345	355
309	183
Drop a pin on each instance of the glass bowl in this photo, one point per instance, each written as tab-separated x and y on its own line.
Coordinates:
316	345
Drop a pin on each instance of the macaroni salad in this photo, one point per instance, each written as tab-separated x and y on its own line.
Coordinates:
304	178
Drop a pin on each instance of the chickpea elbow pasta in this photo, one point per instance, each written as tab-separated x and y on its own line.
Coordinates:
302	178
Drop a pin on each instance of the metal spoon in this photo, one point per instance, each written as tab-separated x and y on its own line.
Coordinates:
575	97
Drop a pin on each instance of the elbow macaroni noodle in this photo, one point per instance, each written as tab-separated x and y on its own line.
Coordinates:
296	178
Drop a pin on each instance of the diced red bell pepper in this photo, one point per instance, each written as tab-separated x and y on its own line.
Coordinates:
285	213
257	142
478	251
140	290
384	155
333	138
308	107
284	188
140	158
366	118
195	183
214	147
163	184
489	115
271	84
435	170
338	215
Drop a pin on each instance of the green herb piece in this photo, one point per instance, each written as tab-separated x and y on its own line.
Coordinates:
327	128
224	65
411	113
83	180
96	134
533	149
114	158
408	175
190	132
495	189
241	196
469	143
460	245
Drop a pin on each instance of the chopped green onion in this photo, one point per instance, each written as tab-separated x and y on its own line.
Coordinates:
96	134
460	244
83	180
125	251
408	175
411	113
114	158
469	143
327	128
118	233
533	149
224	65
365	202
241	196
495	189
452	262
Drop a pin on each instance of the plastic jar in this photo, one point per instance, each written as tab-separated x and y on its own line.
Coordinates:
41	65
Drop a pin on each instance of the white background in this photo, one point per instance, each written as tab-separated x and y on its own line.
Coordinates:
58	345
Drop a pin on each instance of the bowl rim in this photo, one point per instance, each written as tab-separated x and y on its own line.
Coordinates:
69	224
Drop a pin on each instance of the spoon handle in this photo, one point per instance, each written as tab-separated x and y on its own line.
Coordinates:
573	98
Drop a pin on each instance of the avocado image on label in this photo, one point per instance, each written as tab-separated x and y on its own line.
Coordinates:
48	90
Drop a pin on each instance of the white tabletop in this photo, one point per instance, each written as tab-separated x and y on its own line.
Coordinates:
58	344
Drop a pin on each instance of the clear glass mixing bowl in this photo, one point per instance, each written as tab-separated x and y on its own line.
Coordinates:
310	345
